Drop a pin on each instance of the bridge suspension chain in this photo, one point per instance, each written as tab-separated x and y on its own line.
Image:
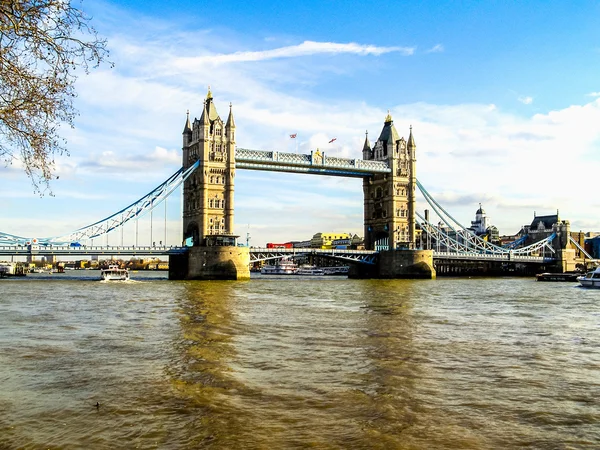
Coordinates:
462	240
134	211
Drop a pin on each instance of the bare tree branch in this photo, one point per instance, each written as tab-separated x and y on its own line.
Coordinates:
42	45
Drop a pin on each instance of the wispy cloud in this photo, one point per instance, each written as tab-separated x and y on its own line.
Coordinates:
438	48
594	94
526	100
307	48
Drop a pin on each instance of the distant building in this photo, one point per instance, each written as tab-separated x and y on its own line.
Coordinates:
301	244
336	240
481	227
592	246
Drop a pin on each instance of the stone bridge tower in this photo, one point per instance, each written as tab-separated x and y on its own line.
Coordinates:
208	232
389	199
208	193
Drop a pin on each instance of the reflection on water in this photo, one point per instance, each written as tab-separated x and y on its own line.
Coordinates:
298	363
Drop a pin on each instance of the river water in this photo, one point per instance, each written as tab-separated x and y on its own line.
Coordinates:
296	362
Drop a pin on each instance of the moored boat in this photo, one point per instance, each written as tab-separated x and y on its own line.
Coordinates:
590	279
337	270
547	276
11	269
114	273
285	267
310	270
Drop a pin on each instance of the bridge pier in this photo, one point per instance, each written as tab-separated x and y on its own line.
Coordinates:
211	263
407	264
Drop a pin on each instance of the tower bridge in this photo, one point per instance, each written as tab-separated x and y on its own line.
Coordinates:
399	241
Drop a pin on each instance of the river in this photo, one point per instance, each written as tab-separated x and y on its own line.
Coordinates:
295	362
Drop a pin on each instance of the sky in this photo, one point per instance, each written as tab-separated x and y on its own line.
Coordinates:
503	98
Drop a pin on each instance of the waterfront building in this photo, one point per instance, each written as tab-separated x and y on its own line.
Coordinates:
325	240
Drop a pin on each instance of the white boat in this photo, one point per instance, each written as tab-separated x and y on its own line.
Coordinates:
114	273
11	269
285	267
310	270
338	270
590	279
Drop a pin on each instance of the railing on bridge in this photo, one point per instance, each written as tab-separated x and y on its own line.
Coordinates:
315	163
88	250
265	254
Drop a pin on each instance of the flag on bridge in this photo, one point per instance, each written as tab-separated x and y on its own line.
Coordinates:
334	139
293	136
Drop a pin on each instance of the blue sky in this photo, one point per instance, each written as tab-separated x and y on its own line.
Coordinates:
503	97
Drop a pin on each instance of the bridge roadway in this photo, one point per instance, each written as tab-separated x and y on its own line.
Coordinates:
88	250
256	253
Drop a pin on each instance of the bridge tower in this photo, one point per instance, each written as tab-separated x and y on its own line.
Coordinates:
389	199
208	193
208	200
389	209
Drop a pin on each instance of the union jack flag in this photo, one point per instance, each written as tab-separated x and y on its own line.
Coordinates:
293	136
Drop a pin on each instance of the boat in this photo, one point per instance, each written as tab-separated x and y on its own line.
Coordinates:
338	270
114	273
590	279
310	270
285	267
568	276
11	269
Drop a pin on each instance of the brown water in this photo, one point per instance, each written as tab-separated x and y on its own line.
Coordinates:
294	363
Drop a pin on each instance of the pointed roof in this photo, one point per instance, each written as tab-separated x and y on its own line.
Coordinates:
230	122
367	145
389	133
204	117
210	107
187	129
388	118
411	139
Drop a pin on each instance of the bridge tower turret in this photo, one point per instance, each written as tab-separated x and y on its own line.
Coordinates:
389	199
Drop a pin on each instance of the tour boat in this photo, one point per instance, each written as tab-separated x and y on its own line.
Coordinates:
310	270
590	279
114	273
285	267
338	270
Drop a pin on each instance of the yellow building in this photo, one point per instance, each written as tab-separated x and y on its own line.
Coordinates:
326	240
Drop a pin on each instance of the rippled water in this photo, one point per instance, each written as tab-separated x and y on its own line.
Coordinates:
286	363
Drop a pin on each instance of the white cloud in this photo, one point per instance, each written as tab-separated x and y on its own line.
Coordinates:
307	48
526	100
438	48
594	94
